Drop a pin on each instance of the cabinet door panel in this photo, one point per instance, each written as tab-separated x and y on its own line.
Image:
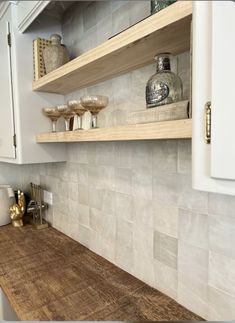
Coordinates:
203	84
27	12
7	148
223	90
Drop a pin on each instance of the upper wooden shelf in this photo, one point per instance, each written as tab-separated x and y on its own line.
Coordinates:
166	31
175	129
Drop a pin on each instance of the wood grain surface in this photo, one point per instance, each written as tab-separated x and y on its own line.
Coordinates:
48	276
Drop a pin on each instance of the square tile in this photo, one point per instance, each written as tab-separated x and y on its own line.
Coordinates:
165	249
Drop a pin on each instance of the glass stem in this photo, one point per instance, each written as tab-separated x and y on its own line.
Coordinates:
53	126
79	121
94	121
67	124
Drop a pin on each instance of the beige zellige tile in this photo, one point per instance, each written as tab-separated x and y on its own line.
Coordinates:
105	153
124	258
101	177
120	18
142	155
63	188
143	241
124	206
143	213
89	18
103	200
221	305
165	249
73	191
190	198
109	227
192	301
109	202
72	152
82	173
139	80
73	210
123	154
222	234
184	156
192	263
184	72
144	268
81	156
167	188
84	235
104	29
166	279
84	218
221	204
193	228
142	183
102	9
222	273
139	10
165	218
95	198
96	220
121	88
165	156
83	194
193	278
123	180
124	233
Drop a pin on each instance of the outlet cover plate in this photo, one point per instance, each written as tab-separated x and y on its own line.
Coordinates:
48	197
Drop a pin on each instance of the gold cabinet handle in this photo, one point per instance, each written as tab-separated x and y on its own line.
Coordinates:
208	122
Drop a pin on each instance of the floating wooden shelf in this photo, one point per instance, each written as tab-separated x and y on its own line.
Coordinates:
166	31
177	129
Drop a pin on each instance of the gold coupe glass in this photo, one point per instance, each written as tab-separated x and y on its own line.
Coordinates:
94	103
67	113
53	114
77	107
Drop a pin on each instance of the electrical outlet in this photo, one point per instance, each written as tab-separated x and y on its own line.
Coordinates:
48	197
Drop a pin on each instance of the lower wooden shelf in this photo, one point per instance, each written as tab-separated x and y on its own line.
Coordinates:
175	129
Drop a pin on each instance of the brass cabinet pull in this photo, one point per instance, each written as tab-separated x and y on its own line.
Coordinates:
208	122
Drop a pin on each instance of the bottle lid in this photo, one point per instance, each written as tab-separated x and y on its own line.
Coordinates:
55	38
163	62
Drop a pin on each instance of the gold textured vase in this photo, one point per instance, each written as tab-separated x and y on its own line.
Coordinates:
55	54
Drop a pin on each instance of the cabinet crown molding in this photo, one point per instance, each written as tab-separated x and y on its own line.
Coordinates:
3	7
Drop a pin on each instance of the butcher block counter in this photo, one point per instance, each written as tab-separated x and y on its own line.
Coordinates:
48	276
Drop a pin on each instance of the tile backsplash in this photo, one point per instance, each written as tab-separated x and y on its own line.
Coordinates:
133	202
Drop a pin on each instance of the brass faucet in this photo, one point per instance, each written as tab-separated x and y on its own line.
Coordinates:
36	206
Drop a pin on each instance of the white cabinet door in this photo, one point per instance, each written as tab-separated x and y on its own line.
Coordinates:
223	90
6	311
27	12
213	80
7	132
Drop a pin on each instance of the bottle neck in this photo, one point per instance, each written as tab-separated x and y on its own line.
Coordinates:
56	42
55	39
163	64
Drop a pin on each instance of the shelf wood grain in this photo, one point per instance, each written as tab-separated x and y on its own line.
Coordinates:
165	31
176	129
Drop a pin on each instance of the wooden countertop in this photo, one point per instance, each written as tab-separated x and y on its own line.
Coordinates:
48	276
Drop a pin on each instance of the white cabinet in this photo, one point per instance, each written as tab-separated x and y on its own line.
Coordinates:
27	11
6	311
7	129
21	108
213	81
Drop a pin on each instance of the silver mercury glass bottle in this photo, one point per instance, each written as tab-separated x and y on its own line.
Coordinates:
164	87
